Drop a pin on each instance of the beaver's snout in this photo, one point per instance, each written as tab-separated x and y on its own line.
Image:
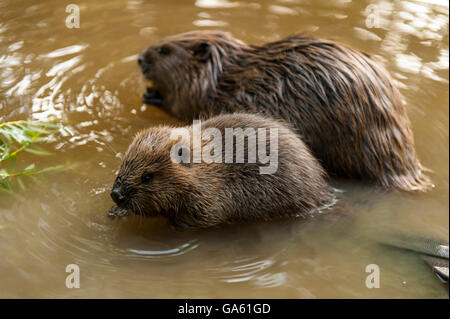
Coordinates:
145	59
145	62
141	59
117	196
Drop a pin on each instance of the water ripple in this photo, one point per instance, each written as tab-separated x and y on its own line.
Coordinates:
172	252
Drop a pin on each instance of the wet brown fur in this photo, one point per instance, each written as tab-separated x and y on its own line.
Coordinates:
342	102
203	195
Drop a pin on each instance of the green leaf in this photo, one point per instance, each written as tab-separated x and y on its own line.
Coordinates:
51	169
6	133
5	152
37	151
21	184
11	164
17	136
5	184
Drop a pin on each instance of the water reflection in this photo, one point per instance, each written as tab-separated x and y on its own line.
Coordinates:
77	48
405	22
172	252
211	4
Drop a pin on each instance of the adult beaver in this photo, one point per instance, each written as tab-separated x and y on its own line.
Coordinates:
201	193
342	102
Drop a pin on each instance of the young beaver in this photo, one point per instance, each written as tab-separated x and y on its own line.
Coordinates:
342	102
202	194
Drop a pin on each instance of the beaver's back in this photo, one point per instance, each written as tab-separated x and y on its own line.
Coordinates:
297	186
342	102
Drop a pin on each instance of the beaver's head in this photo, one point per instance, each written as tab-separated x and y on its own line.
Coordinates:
186	65
148	181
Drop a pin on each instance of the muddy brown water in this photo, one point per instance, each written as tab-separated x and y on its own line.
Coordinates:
88	78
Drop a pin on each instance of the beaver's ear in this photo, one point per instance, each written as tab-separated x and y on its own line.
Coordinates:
202	51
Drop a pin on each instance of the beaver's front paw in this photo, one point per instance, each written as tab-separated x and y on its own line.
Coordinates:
118	212
152	97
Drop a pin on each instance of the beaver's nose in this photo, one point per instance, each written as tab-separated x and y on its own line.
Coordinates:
117	196
141	58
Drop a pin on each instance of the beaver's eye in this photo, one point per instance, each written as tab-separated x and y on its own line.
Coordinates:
164	50
146	178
